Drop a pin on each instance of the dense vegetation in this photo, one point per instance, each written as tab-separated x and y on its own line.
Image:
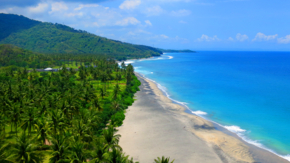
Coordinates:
65	116
17	57
13	23
55	38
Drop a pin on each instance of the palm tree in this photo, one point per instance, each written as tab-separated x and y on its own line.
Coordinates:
15	115
42	129
116	156
25	150
59	149
96	104
116	106
78	152
102	92
162	160
4	152
2	123
103	77
111	139
118	77
57	120
116	91
95	75
80	128
100	154
28	119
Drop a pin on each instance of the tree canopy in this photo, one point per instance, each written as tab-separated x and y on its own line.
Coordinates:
56	38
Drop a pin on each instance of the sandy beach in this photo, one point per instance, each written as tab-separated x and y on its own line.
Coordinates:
155	127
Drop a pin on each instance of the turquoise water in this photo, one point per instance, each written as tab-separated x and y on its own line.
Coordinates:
246	92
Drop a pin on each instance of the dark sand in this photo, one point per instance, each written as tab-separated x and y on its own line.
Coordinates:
156	127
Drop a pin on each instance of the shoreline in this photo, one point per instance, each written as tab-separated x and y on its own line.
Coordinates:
227	145
257	151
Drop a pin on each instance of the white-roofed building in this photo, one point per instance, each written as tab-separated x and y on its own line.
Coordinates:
48	69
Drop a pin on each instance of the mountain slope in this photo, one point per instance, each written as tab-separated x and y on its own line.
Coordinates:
10	23
56	38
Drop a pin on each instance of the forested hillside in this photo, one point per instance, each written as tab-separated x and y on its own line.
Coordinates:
55	38
10	23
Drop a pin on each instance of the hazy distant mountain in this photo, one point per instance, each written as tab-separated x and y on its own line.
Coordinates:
176	51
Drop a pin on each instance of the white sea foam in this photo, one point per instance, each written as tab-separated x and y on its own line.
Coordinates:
163	89
241	133
199	112
170	57
129	62
235	129
287	157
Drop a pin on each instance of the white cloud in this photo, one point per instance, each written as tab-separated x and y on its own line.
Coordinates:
207	38
262	37
96	24
181	12
138	32
148	23
41	7
130	4
182	22
181	40
153	11
231	39
58	6
164	36
284	40
103	16
167	1
241	37
84	6
128	21
74	14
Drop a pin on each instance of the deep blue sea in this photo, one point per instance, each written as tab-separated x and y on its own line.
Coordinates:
246	92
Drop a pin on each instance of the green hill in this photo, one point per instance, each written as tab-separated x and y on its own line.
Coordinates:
55	38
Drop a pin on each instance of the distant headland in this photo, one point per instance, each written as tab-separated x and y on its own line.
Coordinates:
177	51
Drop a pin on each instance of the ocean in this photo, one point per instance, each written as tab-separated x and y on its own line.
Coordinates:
248	93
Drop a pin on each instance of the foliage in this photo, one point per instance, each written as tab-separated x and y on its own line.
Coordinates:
14	23
163	160
61	116
26	150
56	38
118	118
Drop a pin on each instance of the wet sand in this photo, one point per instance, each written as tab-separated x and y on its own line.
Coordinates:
156	127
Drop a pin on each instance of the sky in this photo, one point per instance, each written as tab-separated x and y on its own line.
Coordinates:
242	25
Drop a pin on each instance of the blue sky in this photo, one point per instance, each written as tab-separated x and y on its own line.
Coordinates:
171	24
